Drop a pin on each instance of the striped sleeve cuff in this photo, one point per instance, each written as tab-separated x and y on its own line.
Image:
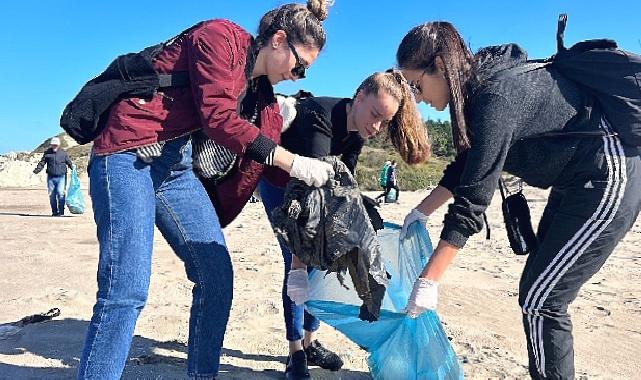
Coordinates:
261	150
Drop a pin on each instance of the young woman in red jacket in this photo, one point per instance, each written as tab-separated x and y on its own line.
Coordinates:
141	175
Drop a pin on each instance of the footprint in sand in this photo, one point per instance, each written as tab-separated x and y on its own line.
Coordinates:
62	295
602	311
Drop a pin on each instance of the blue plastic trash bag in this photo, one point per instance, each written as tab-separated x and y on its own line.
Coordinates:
400	347
75	201
391	196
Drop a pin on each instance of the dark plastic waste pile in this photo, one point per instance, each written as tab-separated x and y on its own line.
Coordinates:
329	228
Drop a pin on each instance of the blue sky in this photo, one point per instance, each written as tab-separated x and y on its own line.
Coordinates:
51	48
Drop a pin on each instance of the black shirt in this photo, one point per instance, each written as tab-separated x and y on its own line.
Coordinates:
320	129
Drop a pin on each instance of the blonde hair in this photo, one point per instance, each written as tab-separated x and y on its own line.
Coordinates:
406	129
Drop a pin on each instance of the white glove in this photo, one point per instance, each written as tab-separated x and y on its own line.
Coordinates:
297	286
424	297
412	217
311	171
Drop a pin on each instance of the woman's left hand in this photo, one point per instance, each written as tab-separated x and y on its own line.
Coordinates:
412	217
424	297
297	286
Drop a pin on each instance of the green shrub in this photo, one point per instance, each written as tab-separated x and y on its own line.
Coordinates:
416	177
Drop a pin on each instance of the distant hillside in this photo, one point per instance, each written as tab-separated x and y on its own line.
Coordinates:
415	177
375	153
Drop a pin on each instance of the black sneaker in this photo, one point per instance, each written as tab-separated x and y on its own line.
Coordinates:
297	366
320	356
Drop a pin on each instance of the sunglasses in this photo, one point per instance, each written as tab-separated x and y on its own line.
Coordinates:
299	68
416	87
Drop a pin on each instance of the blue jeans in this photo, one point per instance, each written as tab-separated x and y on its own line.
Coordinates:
296	318
56	189
130	196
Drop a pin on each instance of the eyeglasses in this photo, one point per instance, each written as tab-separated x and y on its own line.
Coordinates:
299	68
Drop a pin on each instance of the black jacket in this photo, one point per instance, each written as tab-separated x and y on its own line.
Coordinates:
320	129
504	117
57	162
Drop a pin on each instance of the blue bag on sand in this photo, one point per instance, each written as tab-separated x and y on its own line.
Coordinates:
75	202
391	196
400	347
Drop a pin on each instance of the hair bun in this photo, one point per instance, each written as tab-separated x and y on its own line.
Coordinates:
319	8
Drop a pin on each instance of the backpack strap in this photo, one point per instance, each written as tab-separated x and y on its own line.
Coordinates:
487	227
177	79
503	188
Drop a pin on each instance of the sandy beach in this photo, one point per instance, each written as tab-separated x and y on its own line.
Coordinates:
50	262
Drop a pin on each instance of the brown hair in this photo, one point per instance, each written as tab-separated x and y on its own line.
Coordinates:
418	51
406	130
301	23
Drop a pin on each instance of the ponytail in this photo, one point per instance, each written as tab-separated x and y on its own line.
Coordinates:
406	130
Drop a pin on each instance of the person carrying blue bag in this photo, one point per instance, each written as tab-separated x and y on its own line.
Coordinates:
57	162
392	184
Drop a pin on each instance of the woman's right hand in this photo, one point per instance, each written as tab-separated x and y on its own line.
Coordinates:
309	170
424	297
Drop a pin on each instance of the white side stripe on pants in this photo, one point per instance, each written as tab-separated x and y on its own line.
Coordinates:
575	247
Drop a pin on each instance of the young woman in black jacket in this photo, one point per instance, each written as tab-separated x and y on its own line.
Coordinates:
325	126
497	121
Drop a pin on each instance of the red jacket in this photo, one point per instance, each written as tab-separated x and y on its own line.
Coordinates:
215	55
232	193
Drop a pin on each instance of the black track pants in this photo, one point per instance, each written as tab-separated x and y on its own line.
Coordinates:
587	215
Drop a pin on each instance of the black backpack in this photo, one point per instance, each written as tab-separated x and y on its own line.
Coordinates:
128	76
610	75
